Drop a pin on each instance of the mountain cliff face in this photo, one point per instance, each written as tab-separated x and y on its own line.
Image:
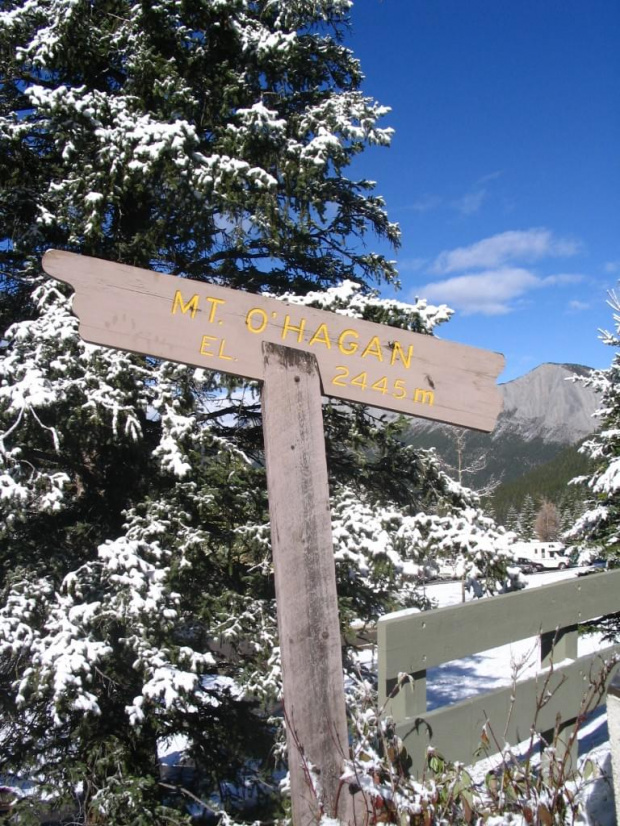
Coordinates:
548	403
544	411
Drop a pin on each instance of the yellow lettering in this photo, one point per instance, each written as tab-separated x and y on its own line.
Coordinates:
424	396
191	306
350	348
321	336
221	354
361	381
399	389
288	328
206	348
340	379
205	345
381	385
373	348
249	323
214	305
398	352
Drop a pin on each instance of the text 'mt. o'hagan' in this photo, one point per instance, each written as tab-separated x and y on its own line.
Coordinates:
221	329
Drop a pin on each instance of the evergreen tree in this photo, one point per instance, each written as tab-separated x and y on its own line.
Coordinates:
599	524
208	139
571	507
567	514
529	509
512	521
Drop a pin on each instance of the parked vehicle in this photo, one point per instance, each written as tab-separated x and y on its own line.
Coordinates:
528	566
549	555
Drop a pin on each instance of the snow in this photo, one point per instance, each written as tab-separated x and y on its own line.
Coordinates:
492	669
609	481
487	670
349	300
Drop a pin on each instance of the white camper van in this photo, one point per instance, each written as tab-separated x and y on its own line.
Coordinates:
547	555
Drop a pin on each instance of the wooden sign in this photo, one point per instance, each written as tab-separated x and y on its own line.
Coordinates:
223	329
295	351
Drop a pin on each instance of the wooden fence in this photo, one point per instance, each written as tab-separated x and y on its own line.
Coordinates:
410	642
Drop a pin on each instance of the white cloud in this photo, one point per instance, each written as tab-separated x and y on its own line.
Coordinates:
561	279
411	264
507	247
578	306
426	203
471	202
488	293
612	266
491	292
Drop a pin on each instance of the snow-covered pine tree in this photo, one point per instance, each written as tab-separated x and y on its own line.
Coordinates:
209	139
574	504
512	520
599	525
529	509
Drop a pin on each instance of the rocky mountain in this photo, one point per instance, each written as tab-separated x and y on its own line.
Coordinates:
548	403
544	411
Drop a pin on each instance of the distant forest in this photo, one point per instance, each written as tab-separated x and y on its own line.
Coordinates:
515	502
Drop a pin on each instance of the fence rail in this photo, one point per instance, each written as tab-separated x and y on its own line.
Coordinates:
410	642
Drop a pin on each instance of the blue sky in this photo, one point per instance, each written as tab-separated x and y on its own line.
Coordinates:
504	172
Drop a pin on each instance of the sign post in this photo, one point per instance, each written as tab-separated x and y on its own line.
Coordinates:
305	579
297	352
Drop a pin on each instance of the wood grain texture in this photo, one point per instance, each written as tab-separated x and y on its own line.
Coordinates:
222	329
305	579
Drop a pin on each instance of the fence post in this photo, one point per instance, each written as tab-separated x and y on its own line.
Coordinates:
613	725
556	646
409	699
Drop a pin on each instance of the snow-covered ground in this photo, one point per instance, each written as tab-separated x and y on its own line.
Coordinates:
492	669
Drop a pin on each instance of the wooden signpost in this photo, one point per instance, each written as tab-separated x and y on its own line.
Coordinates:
299	353
223	329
